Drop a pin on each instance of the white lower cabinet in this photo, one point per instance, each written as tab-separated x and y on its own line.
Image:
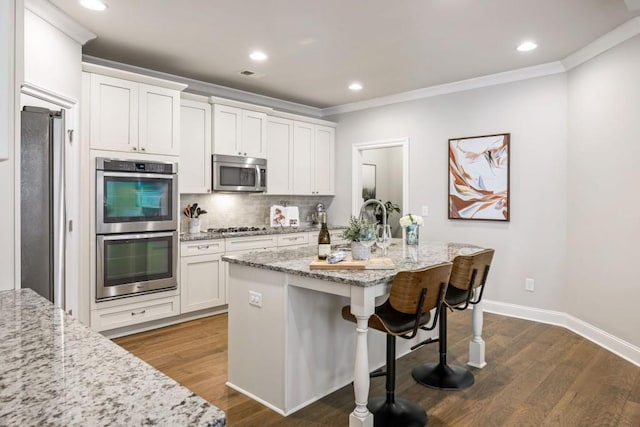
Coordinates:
336	237
293	240
202	275
104	319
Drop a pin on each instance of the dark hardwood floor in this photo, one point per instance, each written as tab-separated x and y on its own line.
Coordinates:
537	375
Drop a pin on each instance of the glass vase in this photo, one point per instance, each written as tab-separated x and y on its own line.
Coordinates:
412	235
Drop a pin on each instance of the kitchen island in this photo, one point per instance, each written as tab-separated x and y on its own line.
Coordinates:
288	344
55	371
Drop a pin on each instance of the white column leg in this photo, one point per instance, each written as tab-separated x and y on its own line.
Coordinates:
361	417
476	345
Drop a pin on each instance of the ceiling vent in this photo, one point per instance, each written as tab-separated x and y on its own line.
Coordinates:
251	74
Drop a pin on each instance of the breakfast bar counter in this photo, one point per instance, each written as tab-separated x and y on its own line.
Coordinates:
55	371
288	343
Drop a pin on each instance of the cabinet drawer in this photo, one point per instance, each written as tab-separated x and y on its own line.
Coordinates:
294	239
202	247
252	242
131	314
336	237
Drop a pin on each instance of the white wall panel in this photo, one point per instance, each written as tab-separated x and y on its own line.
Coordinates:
604	208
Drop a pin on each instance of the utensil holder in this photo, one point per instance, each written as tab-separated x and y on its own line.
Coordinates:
194	225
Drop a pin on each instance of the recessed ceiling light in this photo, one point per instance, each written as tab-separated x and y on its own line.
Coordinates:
355	86
527	46
94	4
258	56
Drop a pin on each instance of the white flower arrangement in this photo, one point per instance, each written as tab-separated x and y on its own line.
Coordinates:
411	219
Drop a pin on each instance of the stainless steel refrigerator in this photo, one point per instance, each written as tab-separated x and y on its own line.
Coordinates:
42	206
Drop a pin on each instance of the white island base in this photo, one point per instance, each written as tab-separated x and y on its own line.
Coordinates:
296	348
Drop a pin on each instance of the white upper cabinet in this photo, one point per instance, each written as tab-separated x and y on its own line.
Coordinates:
279	156
303	135
159	126
313	159
227	130
254	134
239	132
130	114
114	114
324	160
195	147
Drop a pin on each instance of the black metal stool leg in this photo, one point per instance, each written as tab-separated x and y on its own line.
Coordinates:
392	411
442	375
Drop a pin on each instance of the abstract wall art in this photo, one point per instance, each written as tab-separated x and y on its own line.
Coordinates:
479	177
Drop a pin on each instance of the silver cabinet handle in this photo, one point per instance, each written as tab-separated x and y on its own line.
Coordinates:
143	149
133	313
134	148
203	246
245	154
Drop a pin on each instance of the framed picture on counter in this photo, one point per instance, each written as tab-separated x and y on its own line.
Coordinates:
479	177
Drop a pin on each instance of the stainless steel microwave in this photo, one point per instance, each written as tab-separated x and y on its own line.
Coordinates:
237	173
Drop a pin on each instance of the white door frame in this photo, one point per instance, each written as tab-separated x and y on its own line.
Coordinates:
356	158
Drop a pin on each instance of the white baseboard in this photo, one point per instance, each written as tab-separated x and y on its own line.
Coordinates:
604	339
256	398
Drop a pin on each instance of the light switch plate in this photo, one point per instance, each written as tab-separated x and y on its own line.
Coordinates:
425	211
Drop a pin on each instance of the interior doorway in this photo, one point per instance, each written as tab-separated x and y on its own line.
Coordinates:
381	171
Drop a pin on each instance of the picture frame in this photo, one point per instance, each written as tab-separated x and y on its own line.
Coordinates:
368	181
479	177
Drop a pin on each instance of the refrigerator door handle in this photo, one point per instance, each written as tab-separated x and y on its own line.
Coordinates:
59	214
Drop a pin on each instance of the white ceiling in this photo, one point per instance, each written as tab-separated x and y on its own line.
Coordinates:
316	48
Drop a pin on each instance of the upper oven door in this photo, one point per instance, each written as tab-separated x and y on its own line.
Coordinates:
135	202
248	174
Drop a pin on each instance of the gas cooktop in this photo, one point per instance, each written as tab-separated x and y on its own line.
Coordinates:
235	229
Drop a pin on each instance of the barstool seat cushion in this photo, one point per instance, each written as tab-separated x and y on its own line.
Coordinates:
455	296
388	319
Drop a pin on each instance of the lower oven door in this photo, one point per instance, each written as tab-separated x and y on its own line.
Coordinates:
131	264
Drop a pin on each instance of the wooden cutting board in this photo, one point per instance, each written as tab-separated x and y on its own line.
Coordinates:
351	264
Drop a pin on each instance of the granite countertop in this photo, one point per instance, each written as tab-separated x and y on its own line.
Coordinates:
296	261
205	235
55	371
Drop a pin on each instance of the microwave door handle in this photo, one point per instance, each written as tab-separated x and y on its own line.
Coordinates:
259	183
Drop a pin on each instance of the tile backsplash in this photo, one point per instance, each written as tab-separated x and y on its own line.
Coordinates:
247	209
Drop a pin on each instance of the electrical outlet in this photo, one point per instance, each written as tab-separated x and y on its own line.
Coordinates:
255	299
529	285
425	211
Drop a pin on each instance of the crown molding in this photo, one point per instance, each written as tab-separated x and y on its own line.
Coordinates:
459	86
128	75
60	20
209	89
613	38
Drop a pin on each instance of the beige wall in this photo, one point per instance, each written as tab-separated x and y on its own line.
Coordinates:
603	286
534	111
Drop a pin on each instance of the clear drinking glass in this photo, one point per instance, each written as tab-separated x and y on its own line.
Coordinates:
383	238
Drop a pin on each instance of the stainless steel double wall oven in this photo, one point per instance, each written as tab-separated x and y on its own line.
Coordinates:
136	227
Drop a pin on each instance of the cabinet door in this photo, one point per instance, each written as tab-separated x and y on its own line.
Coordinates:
279	155
114	114
201	282
324	161
195	147
227	129
303	134
254	129
159	120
